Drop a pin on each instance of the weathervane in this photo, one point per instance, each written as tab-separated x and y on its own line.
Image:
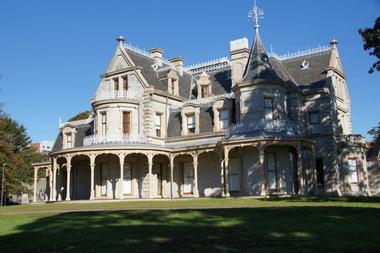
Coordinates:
255	15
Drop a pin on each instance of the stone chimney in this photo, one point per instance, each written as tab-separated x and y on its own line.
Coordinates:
178	64
157	55
239	53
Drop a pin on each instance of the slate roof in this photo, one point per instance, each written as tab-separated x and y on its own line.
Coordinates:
259	66
82	131
315	75
156	78
221	82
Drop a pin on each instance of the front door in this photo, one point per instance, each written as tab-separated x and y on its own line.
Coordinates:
188	177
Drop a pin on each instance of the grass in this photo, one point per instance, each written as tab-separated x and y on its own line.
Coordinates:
296	224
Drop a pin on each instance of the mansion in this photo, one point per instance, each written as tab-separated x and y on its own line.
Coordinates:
252	123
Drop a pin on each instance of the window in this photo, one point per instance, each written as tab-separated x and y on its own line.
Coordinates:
126	122
172	83
268	109
158	125
223	119
315	122
125	84
103	117
127	179
191	124
271	166
352	172
69	140
116	84
204	91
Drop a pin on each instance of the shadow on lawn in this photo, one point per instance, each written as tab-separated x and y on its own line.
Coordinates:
291	229
356	199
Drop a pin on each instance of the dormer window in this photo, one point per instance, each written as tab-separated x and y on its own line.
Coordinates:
172	86
204	91
223	119
305	65
69	140
191	123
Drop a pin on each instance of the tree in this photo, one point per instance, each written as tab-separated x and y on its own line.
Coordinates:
371	39
16	152
80	116
375	132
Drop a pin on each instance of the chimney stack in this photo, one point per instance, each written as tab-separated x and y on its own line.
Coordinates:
239	53
178	64
157	54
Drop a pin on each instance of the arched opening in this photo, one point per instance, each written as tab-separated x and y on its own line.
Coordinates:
80	178
161	177
183	181
209	182
280	164
61	179
252	171
107	176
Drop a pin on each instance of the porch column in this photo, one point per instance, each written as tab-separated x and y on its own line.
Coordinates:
262	169
150	165
50	184
68	176
121	181
301	189
226	169
171	176
53	196
35	184
222	177
195	166
92	167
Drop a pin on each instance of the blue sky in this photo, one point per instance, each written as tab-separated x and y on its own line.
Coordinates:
52	52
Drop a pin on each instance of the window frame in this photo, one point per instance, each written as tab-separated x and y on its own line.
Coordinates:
266	108
355	171
315	126
221	119
69	140
188	116
103	123
204	91
158	127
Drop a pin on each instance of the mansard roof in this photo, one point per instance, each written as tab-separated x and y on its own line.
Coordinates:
81	132
157	80
259	66
221	82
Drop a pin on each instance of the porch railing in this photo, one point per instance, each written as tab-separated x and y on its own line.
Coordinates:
115	139
262	127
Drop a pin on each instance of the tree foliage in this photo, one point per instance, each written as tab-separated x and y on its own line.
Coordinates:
16	153
80	116
375	131
371	39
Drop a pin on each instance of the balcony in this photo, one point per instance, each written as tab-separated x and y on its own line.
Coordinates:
114	139
112	94
281	127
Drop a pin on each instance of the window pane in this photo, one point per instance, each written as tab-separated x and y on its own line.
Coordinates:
268	114
268	103
158	120
224	114
190	119
314	118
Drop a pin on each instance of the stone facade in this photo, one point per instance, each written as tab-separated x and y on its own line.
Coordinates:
251	124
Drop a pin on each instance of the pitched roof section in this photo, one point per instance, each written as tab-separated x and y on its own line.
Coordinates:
259	66
314	75
156	79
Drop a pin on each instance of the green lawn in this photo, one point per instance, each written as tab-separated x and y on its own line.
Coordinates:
253	225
